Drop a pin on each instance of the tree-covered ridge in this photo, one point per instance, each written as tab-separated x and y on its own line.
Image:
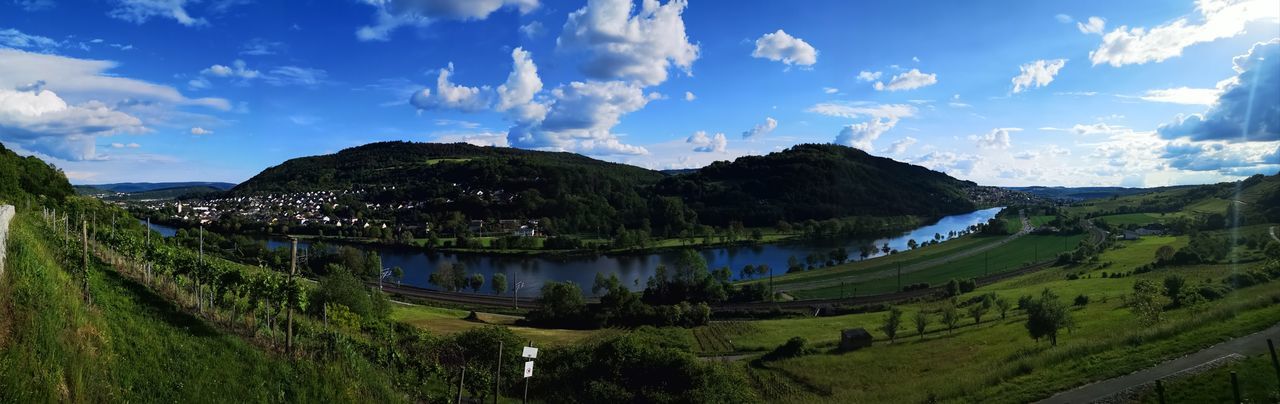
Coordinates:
815	181
32	176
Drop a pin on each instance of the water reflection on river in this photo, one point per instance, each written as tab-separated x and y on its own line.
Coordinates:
634	270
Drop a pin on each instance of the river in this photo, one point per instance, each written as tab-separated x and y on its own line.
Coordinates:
634	270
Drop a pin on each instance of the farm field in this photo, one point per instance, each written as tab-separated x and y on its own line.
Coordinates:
882	263
450	321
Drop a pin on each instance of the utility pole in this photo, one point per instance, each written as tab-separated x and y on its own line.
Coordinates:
293	267
84	238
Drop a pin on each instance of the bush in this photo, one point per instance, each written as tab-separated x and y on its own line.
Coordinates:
793	348
1081	300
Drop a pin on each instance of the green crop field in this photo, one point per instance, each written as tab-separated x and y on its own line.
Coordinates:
1134	253
444	321
1011	256
909	257
1134	218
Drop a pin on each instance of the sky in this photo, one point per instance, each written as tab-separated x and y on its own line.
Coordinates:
1013	93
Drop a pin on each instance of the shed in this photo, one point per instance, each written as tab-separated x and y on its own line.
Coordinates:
854	338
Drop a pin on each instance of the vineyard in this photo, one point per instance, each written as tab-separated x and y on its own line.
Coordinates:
716	338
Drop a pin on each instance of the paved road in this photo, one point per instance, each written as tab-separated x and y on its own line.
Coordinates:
6	214
919	266
1251	344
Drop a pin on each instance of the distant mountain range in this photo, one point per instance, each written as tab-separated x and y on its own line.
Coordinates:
132	187
1084	193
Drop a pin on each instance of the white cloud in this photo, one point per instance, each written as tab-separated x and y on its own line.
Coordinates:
296	76
830	90
948	162
532	30
393	14
17	39
901	145
261	47
452	96
124	145
1095	25
910	80
238	69
620	45
81	80
1219	19
997	138
198	131
1246	110
516	95
498	139
1184	95
1063	18
708	144
856	110
861	135
868	76
1037	74
580	118
780	46
688	96
139	11
762	129
41	121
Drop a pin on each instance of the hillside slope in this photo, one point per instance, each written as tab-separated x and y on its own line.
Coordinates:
816	181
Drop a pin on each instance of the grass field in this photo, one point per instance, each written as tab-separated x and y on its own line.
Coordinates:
1025	250
131	345
717	337
1134	253
448	321
996	361
1257	384
1041	220
1134	218
882	263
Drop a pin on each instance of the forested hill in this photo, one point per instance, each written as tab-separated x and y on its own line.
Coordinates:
30	176
583	194
815	181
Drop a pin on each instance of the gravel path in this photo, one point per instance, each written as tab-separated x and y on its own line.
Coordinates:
6	214
1106	390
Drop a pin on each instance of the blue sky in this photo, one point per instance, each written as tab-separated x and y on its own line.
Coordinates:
1135	93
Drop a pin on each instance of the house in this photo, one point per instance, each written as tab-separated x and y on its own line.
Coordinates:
476	226
525	231
508	225
854	339
1129	235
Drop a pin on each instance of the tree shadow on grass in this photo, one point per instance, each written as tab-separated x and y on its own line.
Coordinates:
155	306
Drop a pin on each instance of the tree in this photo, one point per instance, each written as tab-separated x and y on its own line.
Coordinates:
748	271
476	281
950	317
1046	316
1164	253
922	322
1173	289
1003	305
953	288
912	244
498	282
891	323
561	303
1147	302
978	309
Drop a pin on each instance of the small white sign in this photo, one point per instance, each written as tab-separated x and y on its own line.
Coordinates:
530	352
528	369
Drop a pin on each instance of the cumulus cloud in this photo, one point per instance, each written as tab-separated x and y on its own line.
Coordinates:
498	139
1248	108
452	96
1095	25
638	47
780	46
708	144
393	14
1037	74
910	80
869	76
901	145
238	69
688	96
1219	19
1216	156
861	135
516	95
997	138
140	11
580	118
762	129
41	121
198	131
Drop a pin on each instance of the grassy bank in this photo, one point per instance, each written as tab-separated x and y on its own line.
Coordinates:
444	321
